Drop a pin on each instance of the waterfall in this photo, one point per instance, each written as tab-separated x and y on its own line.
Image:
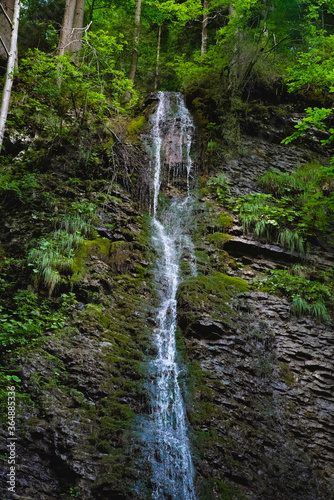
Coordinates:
168	448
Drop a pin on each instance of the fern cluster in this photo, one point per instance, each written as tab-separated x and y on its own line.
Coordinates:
307	297
272	220
54	255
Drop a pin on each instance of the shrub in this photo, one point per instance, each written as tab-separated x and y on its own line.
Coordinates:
310	190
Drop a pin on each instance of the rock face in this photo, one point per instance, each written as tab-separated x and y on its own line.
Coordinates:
80	388
262	408
271	382
258	381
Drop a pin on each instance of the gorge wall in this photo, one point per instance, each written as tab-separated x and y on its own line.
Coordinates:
258	382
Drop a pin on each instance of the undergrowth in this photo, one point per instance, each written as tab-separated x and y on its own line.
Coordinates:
296	209
271	219
306	296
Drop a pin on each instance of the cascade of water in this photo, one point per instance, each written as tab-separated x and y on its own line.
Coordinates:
166	434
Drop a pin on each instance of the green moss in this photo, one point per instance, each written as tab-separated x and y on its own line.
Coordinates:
136	125
287	374
219	239
79	260
204	192
201	118
214	489
211	293
202	257
101	246
225	221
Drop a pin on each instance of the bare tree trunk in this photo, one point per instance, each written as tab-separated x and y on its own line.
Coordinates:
6	17
77	26
133	67
204	47
235	65
158	60
10	69
66	29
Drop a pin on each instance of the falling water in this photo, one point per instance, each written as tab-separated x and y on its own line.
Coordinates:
166	431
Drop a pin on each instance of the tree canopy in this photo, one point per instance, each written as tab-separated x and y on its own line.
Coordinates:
224	47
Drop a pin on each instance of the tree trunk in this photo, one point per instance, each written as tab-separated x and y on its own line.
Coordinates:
6	17
77	26
66	29
10	69
158	60
204	47
133	67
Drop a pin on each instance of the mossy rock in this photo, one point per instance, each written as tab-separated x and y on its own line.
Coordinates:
219	239
225	221
214	488
210	294
136	125
287	374
99	246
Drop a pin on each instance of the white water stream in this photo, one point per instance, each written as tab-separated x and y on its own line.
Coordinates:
166	431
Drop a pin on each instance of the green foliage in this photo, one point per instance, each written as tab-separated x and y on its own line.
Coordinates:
270	219
309	194
74	492
58	88
287	374
315	66
314	117
284	184
29	318
17	186
307	297
55	256
221	184
181	12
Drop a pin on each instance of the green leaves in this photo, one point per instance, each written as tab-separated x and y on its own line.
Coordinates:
29	319
271	219
308	297
22	185
314	117
58	83
221	184
180	12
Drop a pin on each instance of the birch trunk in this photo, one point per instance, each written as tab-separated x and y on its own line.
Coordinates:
204	47
10	69
6	17
134	61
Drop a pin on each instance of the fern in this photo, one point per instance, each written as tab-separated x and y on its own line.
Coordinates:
307	297
292	240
